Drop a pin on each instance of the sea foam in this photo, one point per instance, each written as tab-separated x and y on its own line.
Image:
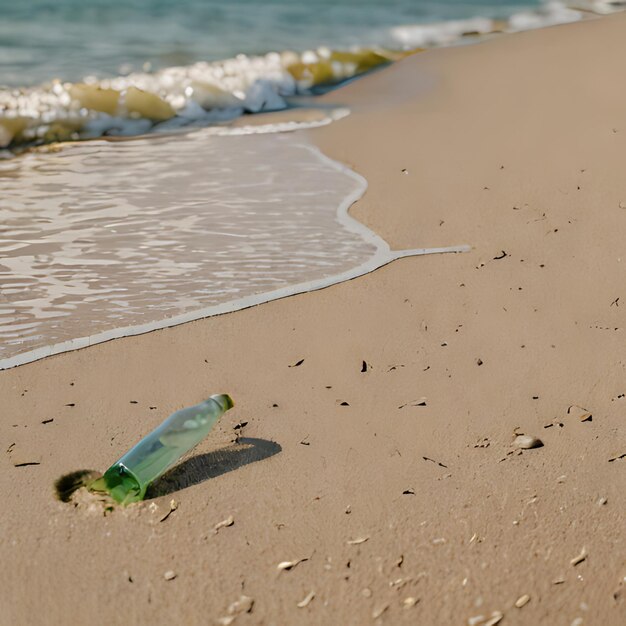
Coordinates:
199	94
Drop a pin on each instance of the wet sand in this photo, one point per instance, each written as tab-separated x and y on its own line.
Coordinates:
378	415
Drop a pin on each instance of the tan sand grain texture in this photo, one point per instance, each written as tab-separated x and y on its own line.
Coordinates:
516	146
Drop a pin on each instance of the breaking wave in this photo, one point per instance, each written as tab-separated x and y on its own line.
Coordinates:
199	94
215	93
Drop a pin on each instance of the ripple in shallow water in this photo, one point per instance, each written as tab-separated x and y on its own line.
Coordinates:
108	235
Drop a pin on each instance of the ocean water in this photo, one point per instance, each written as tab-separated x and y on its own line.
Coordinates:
76	70
69	39
96	236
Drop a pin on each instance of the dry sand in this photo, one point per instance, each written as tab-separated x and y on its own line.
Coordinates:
515	146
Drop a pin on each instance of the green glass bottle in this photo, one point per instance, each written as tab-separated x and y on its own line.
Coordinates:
126	480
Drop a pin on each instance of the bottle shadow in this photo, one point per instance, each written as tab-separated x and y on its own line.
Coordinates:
201	467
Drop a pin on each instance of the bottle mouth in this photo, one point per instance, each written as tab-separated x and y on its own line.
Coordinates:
224	400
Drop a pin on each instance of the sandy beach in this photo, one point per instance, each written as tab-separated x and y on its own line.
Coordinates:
372	441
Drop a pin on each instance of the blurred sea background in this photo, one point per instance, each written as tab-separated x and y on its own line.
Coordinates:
70	39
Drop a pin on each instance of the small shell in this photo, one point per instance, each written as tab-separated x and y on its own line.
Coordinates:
410	602
169	575
526	442
522	600
304	603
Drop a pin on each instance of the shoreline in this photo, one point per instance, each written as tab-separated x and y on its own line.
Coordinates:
394	399
381	256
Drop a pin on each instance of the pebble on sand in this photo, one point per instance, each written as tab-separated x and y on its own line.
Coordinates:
527	442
